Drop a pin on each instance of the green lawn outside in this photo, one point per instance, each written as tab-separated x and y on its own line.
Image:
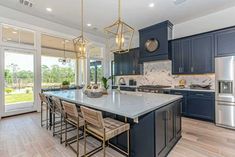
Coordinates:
18	98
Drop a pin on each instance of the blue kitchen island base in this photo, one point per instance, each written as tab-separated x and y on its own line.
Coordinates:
155	134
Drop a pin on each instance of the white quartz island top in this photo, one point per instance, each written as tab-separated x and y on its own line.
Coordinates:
128	104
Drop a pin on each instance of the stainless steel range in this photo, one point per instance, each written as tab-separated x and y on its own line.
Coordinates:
225	91
152	88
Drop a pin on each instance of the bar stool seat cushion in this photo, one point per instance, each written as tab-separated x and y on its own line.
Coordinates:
112	128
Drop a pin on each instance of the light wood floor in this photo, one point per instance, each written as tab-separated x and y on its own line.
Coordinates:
22	136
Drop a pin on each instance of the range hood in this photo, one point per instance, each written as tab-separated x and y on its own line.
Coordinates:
154	42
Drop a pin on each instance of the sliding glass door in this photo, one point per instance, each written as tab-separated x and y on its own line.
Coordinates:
18	81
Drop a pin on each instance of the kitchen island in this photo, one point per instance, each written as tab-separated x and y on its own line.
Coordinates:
155	118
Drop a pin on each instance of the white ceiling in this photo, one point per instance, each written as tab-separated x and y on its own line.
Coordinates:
101	13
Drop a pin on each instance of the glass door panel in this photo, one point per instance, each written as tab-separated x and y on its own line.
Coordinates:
19	80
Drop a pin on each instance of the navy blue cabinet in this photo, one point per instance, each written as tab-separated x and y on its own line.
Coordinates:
202	55
184	101
167	128
161	32
196	104
201	105
128	63
181	51
224	42
193	55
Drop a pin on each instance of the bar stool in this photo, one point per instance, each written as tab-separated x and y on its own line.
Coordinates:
44	103
74	118
103	129
57	112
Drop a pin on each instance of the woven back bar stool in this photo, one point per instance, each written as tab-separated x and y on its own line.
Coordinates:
74	118
103	129
44	106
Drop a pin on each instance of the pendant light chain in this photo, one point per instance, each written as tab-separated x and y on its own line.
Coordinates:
119	10
82	18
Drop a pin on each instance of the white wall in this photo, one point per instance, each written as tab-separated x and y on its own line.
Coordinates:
218	20
210	22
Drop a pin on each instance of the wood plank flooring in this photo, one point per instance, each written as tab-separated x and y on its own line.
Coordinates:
22	136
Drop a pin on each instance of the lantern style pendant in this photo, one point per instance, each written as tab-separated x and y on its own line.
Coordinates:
80	42
119	35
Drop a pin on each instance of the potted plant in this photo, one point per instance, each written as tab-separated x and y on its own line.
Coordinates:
65	84
105	84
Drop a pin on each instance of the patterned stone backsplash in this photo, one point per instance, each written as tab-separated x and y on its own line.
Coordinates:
159	73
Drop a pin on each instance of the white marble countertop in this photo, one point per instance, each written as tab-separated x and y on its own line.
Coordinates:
189	89
127	104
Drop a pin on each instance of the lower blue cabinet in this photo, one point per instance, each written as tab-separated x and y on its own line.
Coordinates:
199	105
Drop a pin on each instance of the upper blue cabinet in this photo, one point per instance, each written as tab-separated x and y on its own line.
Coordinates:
154	42
128	63
225	42
193	55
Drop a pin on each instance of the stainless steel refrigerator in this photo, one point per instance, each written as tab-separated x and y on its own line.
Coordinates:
225	91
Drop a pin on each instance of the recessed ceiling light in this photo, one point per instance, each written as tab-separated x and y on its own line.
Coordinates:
151	5
178	2
89	25
49	9
14	32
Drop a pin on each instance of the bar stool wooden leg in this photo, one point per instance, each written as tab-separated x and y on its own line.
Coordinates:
104	143
61	123
47	110
41	114
78	138
85	140
53	120
128	143
66	133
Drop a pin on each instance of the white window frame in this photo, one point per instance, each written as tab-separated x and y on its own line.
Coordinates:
17	45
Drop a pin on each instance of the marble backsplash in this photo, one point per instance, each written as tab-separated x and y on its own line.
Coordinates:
159	73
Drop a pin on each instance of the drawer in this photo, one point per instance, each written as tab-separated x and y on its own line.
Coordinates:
178	92
202	94
225	115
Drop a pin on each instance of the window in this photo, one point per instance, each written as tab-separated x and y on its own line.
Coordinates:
96	71
11	34
53	71
96	66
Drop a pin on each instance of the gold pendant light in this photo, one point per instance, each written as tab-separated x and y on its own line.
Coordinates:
80	42
119	35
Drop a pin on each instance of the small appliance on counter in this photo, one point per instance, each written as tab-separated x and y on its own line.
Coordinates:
121	81
132	82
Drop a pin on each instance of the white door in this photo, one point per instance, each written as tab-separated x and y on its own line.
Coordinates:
18	81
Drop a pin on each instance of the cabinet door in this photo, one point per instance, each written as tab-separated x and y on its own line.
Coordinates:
202	57
201	106
170	125
186	49
116	64
224	42
176	57
184	101
161	131
178	119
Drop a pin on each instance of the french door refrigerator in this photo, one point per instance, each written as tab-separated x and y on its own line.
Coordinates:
225	91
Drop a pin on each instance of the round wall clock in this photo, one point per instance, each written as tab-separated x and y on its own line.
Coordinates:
151	45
